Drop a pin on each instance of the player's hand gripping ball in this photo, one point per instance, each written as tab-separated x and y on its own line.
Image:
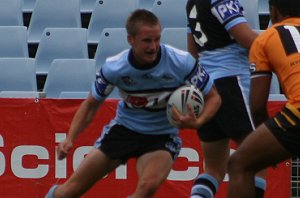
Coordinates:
182	97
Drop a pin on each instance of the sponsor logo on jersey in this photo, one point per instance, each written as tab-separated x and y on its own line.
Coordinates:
171	146
136	102
102	86
199	78
226	10
100	78
127	80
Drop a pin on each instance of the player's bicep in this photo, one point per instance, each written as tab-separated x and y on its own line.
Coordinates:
243	34
259	91
102	87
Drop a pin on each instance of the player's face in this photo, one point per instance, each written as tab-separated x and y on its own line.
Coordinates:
145	44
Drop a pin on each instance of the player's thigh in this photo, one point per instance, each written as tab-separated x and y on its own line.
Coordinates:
216	155
259	150
154	165
93	167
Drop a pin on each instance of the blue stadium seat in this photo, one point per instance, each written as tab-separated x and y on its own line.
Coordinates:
277	97
263	7
87	6
28	5
112	41
70	75
17	74
84	94
73	94
13	41
171	13
251	13
146	4
108	14
275	86
53	13
60	43
11	13
176	37
19	94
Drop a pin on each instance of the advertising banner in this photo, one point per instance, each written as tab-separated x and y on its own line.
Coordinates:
30	130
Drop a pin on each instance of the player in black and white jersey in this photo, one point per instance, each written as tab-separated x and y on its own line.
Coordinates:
219	36
146	74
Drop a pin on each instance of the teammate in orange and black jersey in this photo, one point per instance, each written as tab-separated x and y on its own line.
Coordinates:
278	138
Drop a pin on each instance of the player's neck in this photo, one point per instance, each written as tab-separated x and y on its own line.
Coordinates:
135	63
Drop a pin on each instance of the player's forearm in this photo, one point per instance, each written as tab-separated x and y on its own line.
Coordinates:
212	104
82	119
259	116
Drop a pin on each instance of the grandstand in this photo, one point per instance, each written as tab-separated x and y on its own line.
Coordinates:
31	11
29	16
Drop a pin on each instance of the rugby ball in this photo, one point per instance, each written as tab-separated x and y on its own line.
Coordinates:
184	96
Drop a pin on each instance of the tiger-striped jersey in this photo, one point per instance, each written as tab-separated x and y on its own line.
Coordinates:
278	50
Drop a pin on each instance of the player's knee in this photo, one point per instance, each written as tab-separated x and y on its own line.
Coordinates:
148	186
70	190
236	164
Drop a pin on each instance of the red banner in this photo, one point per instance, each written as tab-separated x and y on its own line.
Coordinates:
30	130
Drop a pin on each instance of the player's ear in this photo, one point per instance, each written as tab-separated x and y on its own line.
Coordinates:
129	39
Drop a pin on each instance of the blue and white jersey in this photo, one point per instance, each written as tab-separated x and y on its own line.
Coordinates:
145	92
209	21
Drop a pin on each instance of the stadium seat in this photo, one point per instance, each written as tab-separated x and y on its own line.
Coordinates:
17	74
170	13
146	4
251	13
28	5
19	94
277	97
177	37
60	43
13	41
275	86
11	13
111	42
69	75
84	94
108	14
263	7
53	13
73	94
87	6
